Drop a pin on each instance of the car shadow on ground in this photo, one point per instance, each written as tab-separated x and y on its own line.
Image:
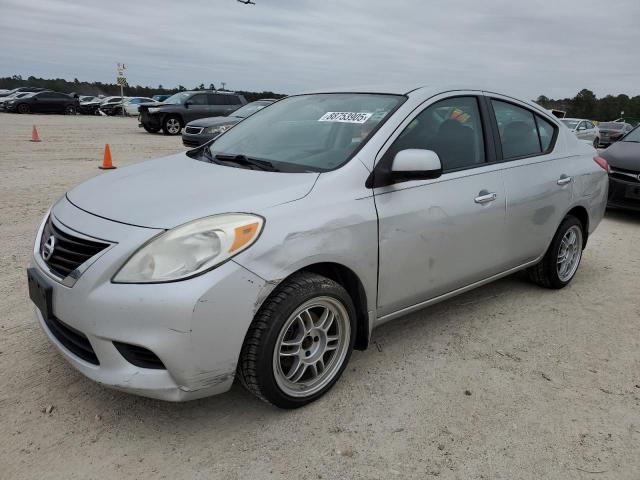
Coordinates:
628	216
241	405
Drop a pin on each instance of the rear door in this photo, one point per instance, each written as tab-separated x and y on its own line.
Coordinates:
537	178
436	236
218	106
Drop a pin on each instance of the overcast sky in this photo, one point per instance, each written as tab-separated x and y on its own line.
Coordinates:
551	47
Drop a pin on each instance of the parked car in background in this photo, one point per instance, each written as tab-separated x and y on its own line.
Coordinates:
111	105
22	89
201	131
13	96
160	98
183	107
612	132
43	102
270	253
131	105
88	98
624	171
583	129
90	107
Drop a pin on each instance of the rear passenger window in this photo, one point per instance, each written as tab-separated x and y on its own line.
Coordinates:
522	133
452	128
546	131
233	100
216	99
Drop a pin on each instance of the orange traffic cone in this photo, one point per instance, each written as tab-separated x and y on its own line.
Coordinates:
34	135
106	162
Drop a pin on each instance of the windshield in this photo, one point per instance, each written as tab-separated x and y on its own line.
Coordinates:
311	132
177	98
249	109
611	125
632	136
570	123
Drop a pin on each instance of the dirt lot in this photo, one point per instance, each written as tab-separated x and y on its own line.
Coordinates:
552	378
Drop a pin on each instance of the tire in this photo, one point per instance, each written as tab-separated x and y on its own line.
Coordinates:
549	273
151	129
596	143
23	108
172	125
70	110
288	335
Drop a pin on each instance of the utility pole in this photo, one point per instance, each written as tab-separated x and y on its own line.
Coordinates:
223	84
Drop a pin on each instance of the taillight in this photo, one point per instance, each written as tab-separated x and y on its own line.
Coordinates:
602	162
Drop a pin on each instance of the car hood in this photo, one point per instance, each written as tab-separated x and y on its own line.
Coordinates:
625	155
214	121
170	191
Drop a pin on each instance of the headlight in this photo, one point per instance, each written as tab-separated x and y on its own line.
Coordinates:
153	110
191	249
219	129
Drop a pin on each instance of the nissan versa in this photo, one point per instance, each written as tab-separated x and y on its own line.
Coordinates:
272	252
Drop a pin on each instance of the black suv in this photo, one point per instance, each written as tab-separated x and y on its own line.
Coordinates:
179	109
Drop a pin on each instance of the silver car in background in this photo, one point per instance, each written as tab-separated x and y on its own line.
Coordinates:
272	252
583	129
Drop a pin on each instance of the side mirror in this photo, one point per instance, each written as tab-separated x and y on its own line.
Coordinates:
415	164
186	104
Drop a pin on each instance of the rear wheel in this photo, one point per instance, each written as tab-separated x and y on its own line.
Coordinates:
596	143
560	263
299	341
172	125
70	110
24	108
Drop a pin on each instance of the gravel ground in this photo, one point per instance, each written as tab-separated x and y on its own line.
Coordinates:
509	381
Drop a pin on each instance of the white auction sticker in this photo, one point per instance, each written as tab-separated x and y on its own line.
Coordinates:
345	117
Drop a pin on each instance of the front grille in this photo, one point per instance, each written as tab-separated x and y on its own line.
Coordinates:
73	340
139	356
625	175
69	251
193	130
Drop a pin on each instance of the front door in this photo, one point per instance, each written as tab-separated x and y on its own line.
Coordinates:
197	108
436	236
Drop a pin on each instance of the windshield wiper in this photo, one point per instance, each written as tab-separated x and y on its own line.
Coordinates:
246	161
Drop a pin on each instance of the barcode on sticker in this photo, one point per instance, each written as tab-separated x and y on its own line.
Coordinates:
345	117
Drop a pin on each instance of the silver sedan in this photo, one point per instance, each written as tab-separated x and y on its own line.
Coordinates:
271	253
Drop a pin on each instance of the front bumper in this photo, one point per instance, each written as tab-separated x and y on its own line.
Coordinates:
195	327
196	139
623	194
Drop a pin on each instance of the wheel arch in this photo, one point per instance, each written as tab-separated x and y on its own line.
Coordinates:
348	279
582	215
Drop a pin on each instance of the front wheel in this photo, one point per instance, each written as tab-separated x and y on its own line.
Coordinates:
596	143
171	125
70	110
560	264
299	342
24	108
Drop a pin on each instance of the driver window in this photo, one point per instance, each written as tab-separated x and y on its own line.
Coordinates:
452	128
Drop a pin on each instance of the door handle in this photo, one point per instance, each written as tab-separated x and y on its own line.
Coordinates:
486	198
563	180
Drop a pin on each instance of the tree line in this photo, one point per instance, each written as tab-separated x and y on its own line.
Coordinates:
108	89
586	105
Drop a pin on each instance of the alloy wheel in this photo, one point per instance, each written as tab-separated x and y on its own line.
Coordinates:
569	253
173	126
311	346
